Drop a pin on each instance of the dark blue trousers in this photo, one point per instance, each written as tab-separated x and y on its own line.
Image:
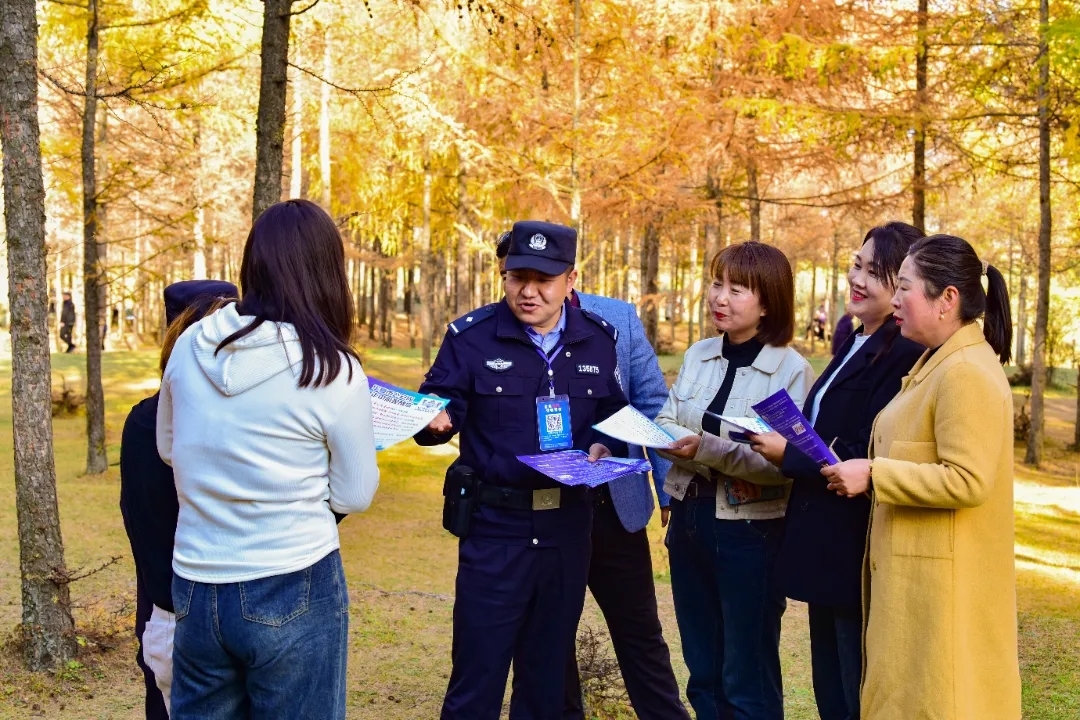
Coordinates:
728	609
517	604
836	654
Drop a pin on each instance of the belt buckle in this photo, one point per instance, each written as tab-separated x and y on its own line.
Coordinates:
546	499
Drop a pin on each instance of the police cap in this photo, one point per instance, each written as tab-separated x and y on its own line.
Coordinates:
545	247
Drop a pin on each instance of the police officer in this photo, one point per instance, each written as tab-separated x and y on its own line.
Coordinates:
529	374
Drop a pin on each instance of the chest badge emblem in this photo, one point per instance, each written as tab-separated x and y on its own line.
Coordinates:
538	242
499	365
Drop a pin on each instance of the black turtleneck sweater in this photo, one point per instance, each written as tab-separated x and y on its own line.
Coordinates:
738	356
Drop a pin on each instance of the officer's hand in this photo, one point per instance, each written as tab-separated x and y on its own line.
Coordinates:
665	516
598	452
441	424
685	448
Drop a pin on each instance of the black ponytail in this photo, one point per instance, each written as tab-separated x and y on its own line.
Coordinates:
944	260
997	322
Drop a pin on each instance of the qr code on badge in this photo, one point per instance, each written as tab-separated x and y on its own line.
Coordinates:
554	424
799	428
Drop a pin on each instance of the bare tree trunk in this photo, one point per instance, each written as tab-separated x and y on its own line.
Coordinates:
426	269
1021	319
650	269
96	459
296	146
1042	302
198	263
755	200
461	265
1076	423
835	305
918	182
47	629
575	123
324	124
813	302
270	121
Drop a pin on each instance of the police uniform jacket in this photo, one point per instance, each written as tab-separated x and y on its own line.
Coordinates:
492	374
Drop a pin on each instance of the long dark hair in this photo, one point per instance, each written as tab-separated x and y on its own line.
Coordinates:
294	272
892	240
944	260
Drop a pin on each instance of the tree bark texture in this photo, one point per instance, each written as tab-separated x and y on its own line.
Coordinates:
426	268
93	281
650	270
48	630
755	200
324	125
918	181
461	265
270	120
1034	452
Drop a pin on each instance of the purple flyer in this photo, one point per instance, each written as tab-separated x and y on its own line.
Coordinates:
572	467
783	415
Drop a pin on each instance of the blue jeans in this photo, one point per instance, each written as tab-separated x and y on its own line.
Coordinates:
836	654
728	610
275	647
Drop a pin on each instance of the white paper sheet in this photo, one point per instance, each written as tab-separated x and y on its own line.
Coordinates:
632	427
398	414
749	424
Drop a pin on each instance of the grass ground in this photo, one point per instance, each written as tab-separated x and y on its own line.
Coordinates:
401	564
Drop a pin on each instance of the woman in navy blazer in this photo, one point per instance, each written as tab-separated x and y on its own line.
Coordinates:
820	561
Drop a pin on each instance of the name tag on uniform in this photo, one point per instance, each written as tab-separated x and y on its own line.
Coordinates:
553	422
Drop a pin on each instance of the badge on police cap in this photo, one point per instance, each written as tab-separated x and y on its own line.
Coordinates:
538	242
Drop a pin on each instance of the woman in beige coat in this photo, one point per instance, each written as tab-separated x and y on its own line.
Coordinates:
940	608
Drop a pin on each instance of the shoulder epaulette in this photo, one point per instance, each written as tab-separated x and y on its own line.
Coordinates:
604	324
475	317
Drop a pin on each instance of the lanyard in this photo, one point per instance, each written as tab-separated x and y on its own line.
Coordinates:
547	361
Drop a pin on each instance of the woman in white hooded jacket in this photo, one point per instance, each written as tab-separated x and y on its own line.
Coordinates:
265	416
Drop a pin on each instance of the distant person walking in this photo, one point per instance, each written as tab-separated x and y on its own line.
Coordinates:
67	321
265	416
148	502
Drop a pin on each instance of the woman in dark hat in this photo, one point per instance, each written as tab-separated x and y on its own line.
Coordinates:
148	500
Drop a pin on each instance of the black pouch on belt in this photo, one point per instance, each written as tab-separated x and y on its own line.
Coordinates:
459	499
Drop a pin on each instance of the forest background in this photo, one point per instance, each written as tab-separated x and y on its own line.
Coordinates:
662	131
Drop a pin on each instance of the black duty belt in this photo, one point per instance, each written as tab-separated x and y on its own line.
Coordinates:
519	498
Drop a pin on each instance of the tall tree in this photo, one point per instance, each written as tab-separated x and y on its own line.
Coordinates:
650	290
93	278
270	120
918	181
1033	456
47	625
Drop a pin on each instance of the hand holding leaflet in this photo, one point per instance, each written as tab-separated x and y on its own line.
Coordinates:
633	428
781	413
572	467
398	414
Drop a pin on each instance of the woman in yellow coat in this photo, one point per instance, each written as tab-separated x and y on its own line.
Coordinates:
940	607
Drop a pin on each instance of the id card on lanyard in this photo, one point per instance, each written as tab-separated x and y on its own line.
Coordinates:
553	413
